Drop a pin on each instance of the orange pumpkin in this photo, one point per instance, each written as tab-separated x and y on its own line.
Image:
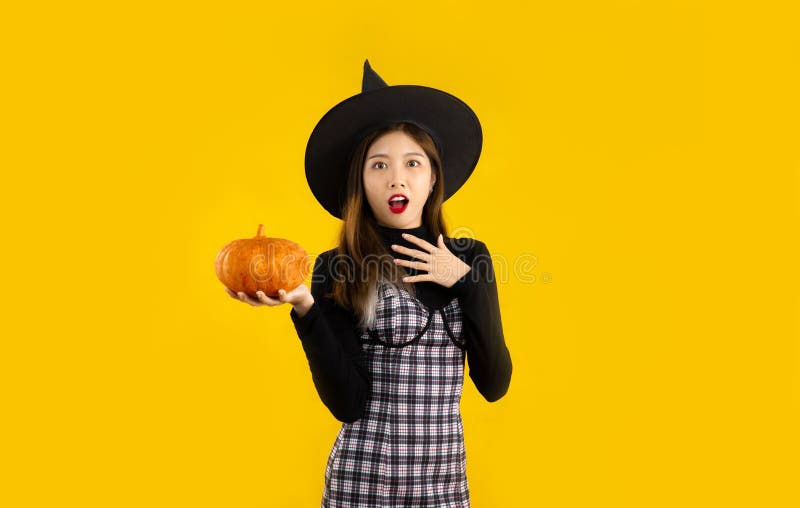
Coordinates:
262	264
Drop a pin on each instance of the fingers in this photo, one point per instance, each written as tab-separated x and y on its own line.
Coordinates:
262	299
291	297
419	241
412	252
417	278
440	243
412	264
246	299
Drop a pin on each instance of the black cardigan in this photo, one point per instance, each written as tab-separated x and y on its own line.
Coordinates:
331	337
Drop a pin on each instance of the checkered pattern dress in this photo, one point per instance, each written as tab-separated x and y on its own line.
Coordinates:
408	447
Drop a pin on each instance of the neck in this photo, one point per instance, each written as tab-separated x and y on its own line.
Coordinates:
392	235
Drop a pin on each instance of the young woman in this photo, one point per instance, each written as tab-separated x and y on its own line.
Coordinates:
397	306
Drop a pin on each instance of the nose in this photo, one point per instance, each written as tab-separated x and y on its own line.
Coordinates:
397	181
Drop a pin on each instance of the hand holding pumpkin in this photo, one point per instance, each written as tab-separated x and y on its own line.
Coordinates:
265	271
300	298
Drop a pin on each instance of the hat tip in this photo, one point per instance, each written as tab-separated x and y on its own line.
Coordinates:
371	80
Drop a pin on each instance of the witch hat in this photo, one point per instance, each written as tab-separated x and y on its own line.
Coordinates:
451	123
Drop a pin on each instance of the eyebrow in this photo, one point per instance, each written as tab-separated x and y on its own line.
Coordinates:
384	155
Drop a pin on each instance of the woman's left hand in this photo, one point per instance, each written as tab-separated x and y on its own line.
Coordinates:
443	266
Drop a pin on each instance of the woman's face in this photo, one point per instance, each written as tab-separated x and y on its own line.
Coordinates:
397	166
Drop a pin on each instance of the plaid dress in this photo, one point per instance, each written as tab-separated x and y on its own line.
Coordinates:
408	447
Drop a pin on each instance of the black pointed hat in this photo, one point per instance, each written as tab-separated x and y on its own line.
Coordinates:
451	123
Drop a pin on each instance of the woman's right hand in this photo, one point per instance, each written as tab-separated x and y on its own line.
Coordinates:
300	298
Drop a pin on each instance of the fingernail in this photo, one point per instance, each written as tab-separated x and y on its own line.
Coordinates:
394	246
404	235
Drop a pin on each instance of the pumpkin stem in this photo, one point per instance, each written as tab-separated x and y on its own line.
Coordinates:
260	230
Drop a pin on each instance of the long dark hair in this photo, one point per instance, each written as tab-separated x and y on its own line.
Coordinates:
363	259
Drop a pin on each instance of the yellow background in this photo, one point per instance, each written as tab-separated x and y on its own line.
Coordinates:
642	156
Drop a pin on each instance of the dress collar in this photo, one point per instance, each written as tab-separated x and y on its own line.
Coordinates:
394	235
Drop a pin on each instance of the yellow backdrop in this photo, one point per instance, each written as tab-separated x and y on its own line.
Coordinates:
638	187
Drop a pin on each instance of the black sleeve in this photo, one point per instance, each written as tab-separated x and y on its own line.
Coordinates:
330	339
487	355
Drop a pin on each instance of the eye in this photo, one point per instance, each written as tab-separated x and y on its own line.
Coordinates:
414	161
374	165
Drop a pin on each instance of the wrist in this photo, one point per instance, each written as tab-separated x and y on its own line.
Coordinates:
302	308
461	285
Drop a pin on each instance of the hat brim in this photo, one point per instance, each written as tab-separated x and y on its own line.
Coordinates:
451	123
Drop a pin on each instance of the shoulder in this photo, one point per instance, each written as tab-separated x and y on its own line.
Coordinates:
468	249
329	262
325	257
329	267
323	273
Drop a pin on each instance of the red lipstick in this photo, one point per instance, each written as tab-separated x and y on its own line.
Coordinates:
398	205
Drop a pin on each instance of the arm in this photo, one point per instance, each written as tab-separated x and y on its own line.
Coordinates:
487	355
330	339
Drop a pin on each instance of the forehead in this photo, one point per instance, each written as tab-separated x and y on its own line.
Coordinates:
395	141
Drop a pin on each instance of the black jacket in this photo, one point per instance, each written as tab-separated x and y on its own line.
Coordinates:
331	338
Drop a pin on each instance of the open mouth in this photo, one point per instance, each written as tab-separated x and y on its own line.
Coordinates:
398	203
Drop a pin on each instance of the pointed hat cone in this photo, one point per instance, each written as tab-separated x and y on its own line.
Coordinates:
371	80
